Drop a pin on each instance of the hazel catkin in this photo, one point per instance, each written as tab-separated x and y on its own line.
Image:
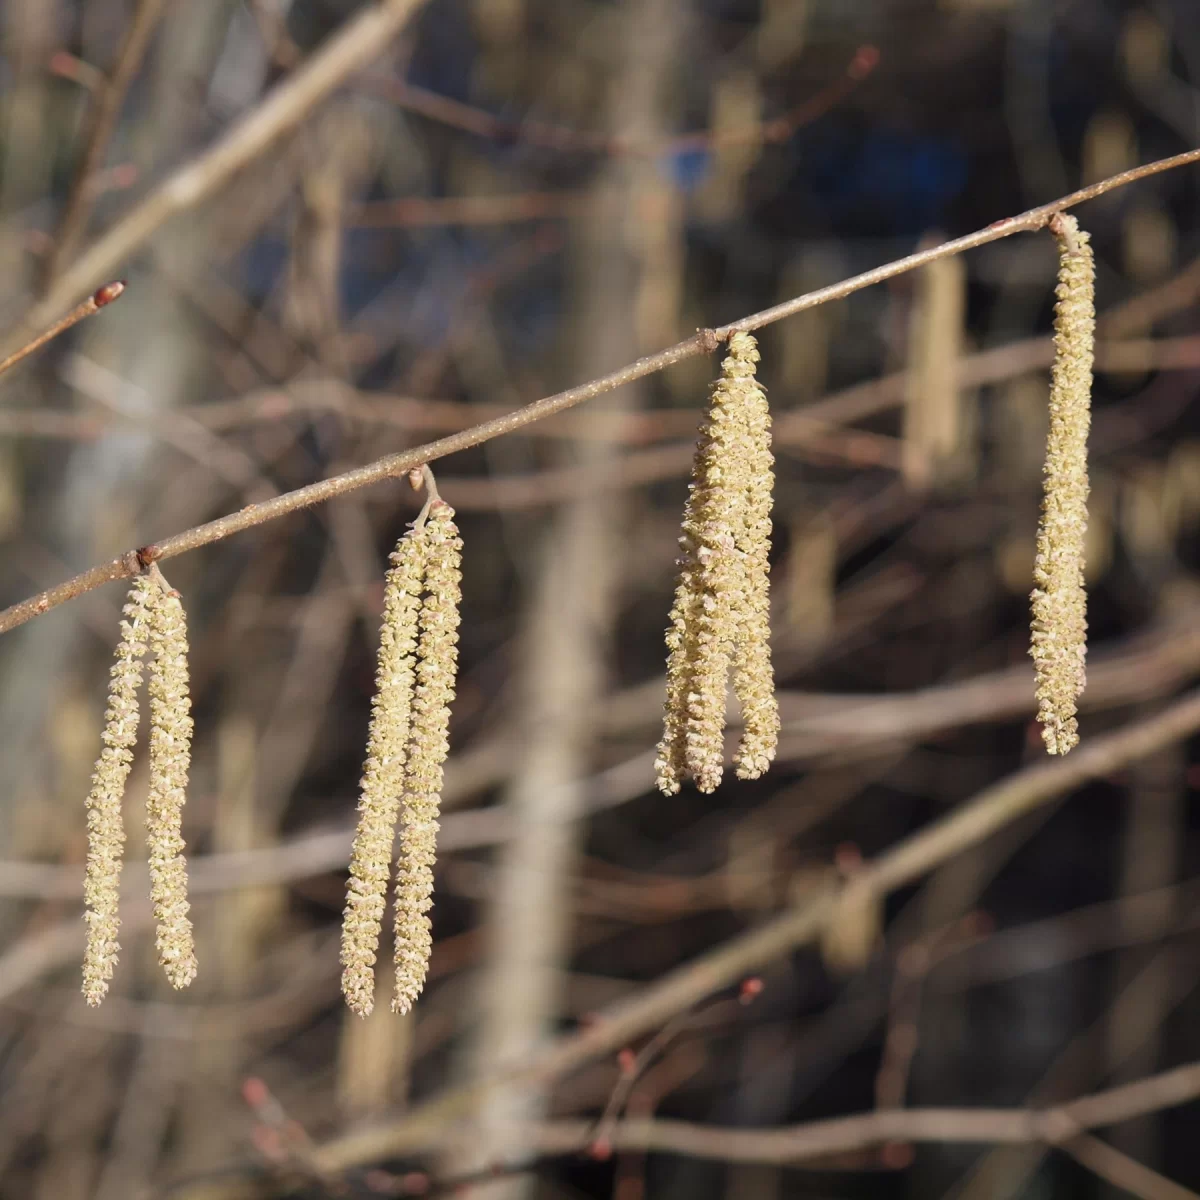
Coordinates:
1059	601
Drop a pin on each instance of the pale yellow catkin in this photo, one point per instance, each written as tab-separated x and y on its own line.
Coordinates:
1059	601
670	764
106	831
436	668
754	676
721	612
170	761
383	771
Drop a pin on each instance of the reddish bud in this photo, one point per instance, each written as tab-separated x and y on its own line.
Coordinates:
254	1091
626	1060
864	62
65	65
600	1150
749	989
108	293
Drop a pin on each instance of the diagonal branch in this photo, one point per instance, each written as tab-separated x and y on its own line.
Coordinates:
235	150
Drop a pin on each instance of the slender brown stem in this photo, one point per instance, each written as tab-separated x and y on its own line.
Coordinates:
105	295
703	342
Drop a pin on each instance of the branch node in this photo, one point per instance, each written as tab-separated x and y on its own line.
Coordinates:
146	556
709	340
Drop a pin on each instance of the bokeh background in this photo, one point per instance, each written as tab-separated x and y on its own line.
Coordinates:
516	196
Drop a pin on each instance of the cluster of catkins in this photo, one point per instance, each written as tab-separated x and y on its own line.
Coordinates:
720	624
154	621
721	618
406	747
402	778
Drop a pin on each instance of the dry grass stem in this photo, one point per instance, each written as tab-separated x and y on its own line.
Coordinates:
106	831
437	661
383	772
721	613
170	760
1059	601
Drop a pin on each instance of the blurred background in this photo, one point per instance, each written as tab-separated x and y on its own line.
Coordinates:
514	197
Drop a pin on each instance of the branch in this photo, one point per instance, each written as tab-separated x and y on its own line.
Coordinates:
360	40
844	1135
285	113
990	811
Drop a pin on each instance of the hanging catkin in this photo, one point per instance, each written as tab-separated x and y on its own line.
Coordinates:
383	772
406	750
753	677
1059	602
106	829
437	662
170	759
720	617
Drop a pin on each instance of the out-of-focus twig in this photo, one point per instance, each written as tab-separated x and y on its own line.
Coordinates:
971	823
102	120
360	40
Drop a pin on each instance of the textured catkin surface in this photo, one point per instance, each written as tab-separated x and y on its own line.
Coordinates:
436	669
754	676
720	618
170	761
1059	602
383	771
106	830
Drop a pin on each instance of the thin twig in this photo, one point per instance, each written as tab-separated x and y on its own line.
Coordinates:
1055	1126
393	465
454	113
102	296
106	107
1124	1172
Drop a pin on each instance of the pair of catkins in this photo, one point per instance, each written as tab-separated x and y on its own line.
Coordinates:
402	776
721	619
719	626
